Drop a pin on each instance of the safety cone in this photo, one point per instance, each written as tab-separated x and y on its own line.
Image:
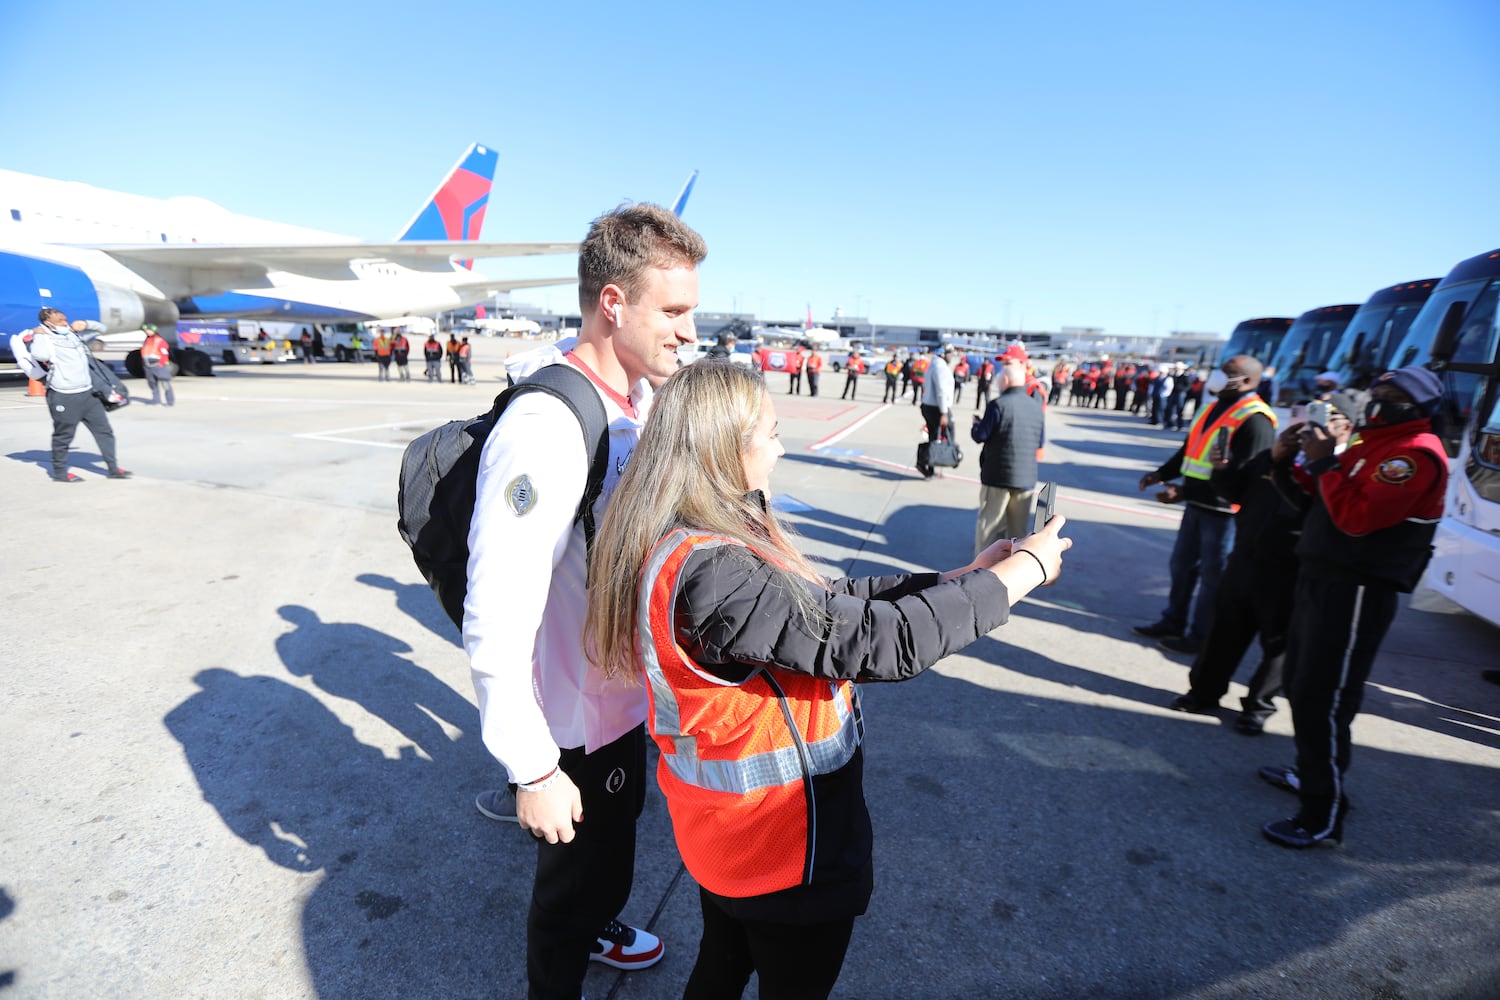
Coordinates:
35	388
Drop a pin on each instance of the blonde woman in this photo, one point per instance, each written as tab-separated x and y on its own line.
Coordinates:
750	659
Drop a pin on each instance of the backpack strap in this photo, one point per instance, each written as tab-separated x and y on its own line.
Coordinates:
570	385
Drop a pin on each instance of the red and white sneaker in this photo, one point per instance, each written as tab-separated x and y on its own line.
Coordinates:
626	947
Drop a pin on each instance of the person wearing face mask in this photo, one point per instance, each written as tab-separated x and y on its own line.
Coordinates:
1367	537
1206	533
1325	385
57	347
1255	594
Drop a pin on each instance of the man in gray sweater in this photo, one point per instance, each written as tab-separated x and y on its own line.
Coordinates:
1011	432
63	358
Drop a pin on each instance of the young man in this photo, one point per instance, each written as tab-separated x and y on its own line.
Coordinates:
1366	539
937	400
58	355
573	742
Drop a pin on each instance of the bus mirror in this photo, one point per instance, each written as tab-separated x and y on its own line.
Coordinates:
1446	340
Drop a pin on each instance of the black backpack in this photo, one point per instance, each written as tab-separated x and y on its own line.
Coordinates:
440	474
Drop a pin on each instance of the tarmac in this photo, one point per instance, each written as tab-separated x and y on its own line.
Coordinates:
241	749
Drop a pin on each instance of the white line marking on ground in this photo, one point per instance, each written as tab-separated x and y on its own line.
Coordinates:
839	435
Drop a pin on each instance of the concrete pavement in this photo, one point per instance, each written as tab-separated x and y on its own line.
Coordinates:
240	749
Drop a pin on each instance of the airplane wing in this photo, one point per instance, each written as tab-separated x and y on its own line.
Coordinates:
317	259
486	287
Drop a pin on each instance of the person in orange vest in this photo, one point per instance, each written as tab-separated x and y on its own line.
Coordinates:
156	361
794	371
892	373
306	340
465	363
432	353
452	350
400	353
752	660
1207	519
814	367
854	367
383	356
919	366
982	379
960	376
1059	380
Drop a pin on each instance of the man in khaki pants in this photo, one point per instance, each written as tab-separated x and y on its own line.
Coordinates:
1011	432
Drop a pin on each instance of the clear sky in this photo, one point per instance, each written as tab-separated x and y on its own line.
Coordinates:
1140	167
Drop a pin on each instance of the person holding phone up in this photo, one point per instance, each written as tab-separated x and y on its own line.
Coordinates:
1207	530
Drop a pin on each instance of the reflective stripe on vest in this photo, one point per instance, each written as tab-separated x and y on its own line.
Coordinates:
1195	463
797	760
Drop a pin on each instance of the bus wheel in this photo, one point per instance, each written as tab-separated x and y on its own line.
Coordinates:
229	358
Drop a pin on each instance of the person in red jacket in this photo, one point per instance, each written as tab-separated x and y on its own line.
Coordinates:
854	367
814	366
794	372
156	360
1367	538
982	379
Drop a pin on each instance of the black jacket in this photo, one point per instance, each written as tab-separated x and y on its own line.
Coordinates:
732	615
1011	432
1251	438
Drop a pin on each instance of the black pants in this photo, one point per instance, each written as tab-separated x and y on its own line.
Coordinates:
794	383
934	417
981	393
889	395
1250	599
581	886
1336	630
792	961
69	409
812	383
851	386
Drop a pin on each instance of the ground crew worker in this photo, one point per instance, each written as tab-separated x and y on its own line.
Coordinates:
982	379
960	376
432	353
156	362
400	352
1203	538
854	367
814	367
919	368
383	356
906	363
307	346
794	371
1367	538
892	372
452	351
465	365
357	345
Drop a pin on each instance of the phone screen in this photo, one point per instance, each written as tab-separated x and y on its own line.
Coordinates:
1221	441
1046	500
1298	414
1317	413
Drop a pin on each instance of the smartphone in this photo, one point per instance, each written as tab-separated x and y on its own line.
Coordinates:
1221	442
1046	500
1317	413
1298	414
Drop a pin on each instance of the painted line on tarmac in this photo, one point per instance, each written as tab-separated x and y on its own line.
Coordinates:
336	435
255	400
839	435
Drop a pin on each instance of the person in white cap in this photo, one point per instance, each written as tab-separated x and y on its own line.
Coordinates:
1325	385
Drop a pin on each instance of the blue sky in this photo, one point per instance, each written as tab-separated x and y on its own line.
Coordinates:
1138	167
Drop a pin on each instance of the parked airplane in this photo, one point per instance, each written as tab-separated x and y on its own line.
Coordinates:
126	260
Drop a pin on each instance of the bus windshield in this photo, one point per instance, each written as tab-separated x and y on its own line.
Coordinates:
1304	353
1367	345
1257	338
1476	338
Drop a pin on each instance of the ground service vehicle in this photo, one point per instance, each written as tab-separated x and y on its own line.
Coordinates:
1258	338
1376	330
1458	325
1304	352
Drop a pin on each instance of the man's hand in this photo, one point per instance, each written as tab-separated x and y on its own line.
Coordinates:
943	421
550	813
1149	479
1169	493
1317	442
78	326
1287	444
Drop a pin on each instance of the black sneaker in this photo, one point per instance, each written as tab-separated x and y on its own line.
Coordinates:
1284	778
1249	725
1187	703
1299	831
1157	630
1183	645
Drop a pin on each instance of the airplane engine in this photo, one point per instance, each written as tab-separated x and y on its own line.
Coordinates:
29	283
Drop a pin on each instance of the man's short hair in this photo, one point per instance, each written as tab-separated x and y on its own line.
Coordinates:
41	316
622	245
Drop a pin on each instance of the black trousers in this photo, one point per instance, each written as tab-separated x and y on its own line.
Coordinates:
581	886
812	383
792	961
69	409
1336	631
851	385
889	396
794	383
1251	599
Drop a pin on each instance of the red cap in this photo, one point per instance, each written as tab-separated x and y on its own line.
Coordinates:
1015	352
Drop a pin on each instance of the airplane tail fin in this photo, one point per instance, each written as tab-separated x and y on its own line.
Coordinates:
456	209
687	189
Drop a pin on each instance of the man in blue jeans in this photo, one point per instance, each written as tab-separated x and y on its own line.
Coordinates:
1207	530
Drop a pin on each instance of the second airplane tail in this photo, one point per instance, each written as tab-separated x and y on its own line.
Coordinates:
456	209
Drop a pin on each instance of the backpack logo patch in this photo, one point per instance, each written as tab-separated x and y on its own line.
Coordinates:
520	495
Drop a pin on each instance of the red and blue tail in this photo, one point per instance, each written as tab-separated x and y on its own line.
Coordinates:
456	209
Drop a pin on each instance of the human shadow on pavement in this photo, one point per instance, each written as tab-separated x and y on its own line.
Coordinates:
848	462
417	602
87	461
415	886
7	907
1029	846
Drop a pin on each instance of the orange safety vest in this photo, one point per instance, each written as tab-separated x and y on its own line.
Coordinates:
893	367
855	366
814	363
1195	463
157	345
382	347
737	759
464	349
919	368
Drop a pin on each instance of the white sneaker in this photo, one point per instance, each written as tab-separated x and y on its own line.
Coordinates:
626	947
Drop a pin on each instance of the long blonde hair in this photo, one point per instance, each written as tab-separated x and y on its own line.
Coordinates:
687	471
